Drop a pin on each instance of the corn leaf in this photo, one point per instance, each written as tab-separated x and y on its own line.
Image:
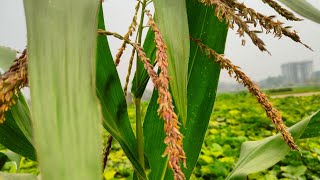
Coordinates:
304	8
269	150
203	77
172	21
202	87
150	49
313	128
12	137
21	115
112	100
7	56
65	111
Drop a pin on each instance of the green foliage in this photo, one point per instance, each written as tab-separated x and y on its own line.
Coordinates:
238	118
21	115
65	111
201	94
269	151
112	100
12	136
203	77
66	76
172	21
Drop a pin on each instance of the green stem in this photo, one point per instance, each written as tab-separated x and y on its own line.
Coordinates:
139	131
139	128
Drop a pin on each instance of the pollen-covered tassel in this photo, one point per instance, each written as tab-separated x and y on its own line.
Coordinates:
11	82
237	13
166	109
261	97
173	138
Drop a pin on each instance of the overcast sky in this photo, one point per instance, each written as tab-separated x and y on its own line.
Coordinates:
256	64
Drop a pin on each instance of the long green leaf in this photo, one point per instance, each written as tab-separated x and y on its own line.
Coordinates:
113	103
269	151
12	137
154	137
303	8
173	24
150	49
21	115
202	88
7	56
65	111
203	77
313	128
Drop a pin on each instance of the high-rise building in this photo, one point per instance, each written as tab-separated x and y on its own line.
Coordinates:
297	72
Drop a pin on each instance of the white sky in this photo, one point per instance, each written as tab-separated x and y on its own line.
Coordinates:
118	15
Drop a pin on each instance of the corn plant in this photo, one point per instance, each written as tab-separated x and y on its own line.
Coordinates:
76	91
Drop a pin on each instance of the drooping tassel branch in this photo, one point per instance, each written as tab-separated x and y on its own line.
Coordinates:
131	30
166	109
173	138
266	22
125	89
242	78
237	13
146	61
282	11
107	152
11	82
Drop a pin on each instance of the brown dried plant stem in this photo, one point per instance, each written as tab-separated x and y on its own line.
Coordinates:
107	151
11	82
242	78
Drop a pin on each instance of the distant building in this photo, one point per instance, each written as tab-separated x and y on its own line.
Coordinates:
297	72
